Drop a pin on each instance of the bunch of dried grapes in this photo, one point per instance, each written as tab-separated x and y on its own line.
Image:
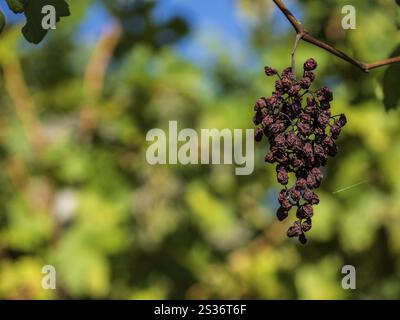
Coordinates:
301	132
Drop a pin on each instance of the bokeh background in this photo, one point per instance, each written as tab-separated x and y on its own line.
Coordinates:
76	191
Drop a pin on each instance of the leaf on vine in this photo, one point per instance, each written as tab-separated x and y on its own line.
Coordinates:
33	30
390	82
16	6
2	21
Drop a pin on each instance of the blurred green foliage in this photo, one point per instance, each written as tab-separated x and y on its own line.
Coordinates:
76	191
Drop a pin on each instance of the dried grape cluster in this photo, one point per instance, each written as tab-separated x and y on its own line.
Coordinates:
301	132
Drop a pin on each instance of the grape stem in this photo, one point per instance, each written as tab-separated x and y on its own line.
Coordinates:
296	44
302	34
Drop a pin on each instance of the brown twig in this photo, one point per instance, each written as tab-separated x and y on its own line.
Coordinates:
94	77
25	107
304	35
99	61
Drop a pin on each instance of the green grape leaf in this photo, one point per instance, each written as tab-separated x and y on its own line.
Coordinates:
2	21
390	82
16	6
33	30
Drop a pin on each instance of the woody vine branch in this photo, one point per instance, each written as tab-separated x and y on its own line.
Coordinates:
302	34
